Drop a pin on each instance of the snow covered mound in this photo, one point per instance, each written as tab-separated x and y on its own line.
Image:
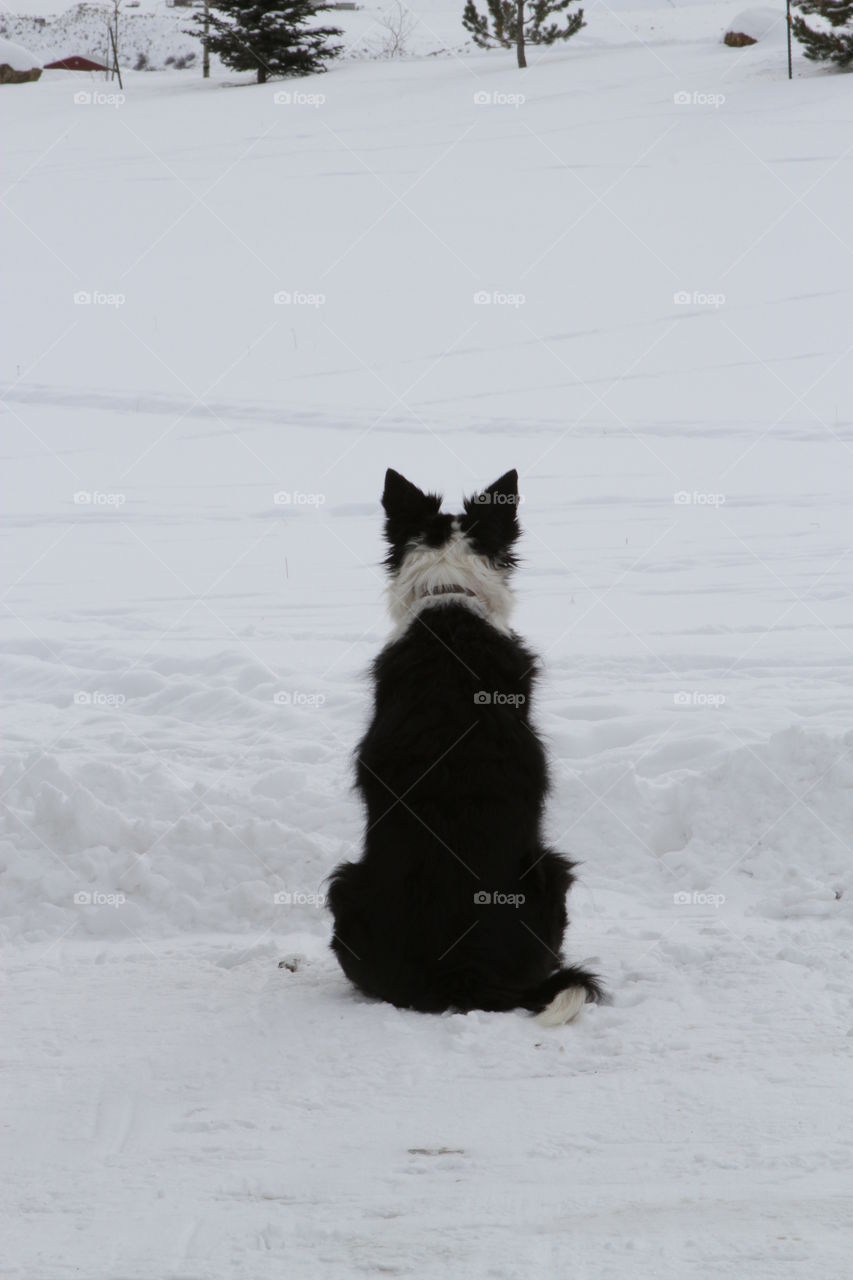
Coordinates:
195	800
758	24
17	64
16	57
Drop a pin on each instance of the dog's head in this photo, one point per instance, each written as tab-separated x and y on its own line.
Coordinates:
435	557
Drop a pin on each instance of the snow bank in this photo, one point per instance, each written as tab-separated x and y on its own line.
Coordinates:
761	23
16	57
191	798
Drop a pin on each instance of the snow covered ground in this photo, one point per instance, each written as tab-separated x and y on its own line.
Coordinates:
190	480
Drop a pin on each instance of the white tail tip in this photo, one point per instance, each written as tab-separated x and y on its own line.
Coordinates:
564	1008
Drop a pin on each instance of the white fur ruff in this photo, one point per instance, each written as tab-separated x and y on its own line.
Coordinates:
426	569
564	1008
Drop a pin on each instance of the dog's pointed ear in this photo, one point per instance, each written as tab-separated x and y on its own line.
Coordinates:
500	498
493	514
403	500
407	511
504	492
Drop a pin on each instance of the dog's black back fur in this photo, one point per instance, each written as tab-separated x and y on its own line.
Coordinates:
454	780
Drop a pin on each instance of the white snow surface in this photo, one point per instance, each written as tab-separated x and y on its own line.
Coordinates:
193	594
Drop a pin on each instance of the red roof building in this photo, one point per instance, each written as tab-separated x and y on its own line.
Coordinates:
75	63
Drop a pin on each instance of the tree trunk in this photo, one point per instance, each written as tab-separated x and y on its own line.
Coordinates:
519	39
262	75
205	66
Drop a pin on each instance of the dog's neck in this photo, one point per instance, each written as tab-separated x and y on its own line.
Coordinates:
451	589
441	598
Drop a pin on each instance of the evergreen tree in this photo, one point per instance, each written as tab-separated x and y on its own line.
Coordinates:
826	43
271	37
521	22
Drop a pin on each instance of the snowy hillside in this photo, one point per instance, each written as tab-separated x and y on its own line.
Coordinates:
626	272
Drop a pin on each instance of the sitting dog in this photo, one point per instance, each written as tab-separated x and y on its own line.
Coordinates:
456	902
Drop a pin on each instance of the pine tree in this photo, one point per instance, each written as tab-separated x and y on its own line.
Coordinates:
511	25
271	37
826	43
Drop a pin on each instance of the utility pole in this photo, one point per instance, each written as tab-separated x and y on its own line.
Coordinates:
790	64
205	66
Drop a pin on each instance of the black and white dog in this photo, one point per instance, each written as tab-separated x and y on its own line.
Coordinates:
456	902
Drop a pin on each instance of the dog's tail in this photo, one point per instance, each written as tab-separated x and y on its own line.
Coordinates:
557	999
561	997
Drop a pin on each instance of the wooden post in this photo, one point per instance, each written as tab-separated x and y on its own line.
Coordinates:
519	38
790	64
205	66
115	59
